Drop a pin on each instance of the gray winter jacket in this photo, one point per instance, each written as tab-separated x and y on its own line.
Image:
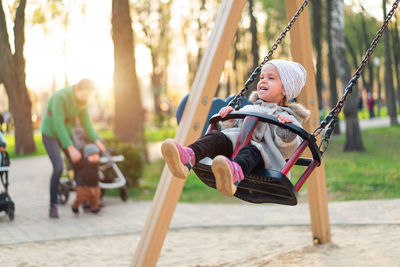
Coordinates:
275	143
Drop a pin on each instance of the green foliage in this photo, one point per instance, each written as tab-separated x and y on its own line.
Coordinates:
275	8
362	114
152	133
148	183
132	166
39	16
275	23
37	137
355	34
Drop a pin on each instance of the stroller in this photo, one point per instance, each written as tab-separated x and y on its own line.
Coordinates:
107	170
110	175
6	204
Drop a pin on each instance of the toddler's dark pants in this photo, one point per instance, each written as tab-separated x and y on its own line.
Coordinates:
216	143
87	193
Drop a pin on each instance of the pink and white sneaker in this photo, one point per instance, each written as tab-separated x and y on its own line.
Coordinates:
180	160
228	175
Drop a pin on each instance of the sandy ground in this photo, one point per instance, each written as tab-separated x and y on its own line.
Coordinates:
357	245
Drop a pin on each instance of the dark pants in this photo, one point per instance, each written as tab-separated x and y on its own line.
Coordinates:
371	113
53	149
216	143
87	193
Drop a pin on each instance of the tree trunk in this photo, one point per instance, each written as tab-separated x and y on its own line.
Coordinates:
396	56
254	33
368	84
12	75
331	66
193	61
317	34
389	87
157	86
236	56
378	81
129	112
254	45
157	39
355	54
353	134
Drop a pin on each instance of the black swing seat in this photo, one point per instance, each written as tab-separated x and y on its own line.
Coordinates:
262	185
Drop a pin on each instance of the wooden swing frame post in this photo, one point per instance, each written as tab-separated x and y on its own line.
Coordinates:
203	90
301	50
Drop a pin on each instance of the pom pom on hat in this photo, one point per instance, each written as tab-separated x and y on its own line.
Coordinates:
89	150
293	76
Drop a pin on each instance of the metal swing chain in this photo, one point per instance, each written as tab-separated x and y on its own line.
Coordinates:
332	117
237	101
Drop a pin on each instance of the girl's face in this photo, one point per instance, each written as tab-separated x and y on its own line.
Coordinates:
270	88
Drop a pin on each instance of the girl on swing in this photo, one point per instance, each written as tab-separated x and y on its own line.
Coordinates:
280	82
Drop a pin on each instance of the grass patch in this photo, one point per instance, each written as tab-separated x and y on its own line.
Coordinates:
372	174
153	134
37	137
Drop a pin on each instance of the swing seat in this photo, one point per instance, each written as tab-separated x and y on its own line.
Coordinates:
261	186
264	185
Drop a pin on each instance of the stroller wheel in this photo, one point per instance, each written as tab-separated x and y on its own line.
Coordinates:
10	210
124	193
63	193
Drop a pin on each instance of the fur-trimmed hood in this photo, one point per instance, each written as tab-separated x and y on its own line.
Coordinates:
301	113
275	143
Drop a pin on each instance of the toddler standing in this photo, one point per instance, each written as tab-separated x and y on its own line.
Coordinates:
88	179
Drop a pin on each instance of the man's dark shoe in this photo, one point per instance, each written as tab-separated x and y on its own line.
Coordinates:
53	211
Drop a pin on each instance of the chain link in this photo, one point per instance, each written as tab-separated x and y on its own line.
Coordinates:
237	101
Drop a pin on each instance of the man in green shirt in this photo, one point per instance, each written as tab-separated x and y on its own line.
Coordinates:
64	107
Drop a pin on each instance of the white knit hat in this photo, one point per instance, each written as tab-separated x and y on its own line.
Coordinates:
293	76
